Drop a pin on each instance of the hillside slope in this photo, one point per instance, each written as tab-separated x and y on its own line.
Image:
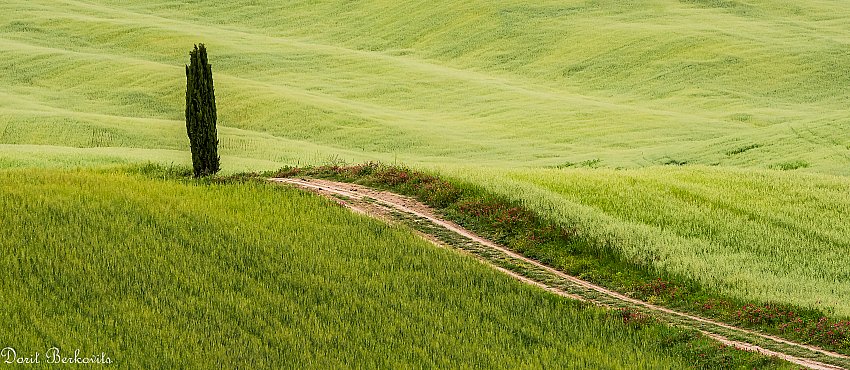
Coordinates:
712	82
510	95
165	274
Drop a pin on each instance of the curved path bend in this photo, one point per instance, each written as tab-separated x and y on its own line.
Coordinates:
359	198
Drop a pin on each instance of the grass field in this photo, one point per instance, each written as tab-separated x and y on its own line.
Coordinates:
707	138
163	274
765	235
508	84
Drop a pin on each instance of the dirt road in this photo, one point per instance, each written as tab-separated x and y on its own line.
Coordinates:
384	205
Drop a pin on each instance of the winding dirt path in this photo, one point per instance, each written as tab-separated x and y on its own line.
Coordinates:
369	201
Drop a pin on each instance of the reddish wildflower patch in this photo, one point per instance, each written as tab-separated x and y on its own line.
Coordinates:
634	318
659	288
764	314
821	330
498	214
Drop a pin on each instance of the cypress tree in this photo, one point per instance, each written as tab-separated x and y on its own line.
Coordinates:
201	114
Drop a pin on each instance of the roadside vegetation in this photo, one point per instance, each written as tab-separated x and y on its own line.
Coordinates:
158	270
563	246
768	236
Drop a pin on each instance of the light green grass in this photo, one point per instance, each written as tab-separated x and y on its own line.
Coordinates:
763	235
499	84
505	88
163	274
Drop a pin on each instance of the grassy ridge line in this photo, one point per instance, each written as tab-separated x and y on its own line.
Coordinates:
509	223
59	157
163	273
453	96
365	110
770	28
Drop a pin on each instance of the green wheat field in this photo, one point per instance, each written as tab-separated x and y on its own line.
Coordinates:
708	139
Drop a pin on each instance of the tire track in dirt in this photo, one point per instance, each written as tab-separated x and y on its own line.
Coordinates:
354	196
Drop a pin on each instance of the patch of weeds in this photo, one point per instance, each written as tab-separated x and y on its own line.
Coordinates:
590	163
162	172
673	162
790	165
634	318
741	117
658	288
743	149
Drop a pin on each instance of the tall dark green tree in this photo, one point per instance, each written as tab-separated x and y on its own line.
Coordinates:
200	113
